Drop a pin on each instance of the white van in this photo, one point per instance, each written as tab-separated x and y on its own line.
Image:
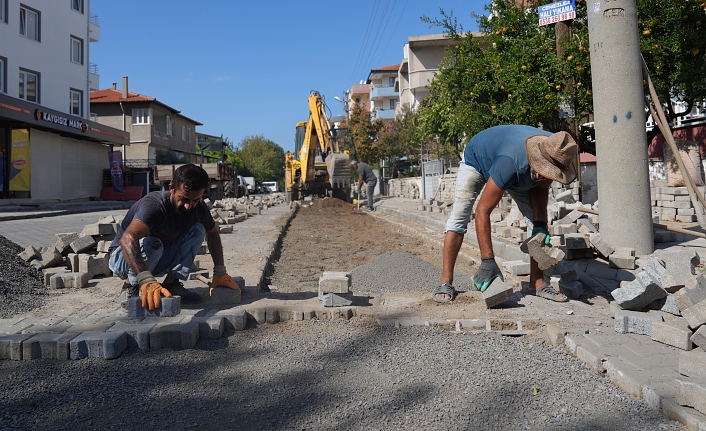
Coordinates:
271	186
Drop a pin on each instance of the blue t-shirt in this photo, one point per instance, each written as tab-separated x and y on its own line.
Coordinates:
155	210
499	153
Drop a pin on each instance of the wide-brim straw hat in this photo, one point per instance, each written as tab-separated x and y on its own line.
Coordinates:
553	156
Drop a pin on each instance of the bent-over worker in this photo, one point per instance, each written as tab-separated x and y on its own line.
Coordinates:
523	161
365	175
161	234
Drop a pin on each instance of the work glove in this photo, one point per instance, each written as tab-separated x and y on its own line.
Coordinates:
151	291
487	272
541	227
221	278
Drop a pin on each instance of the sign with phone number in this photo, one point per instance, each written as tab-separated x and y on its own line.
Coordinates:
555	12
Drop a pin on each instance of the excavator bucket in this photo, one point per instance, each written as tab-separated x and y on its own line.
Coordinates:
339	171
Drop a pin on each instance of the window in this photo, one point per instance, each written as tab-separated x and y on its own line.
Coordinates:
2	74
77	5
29	86
183	133
188	134
142	116
29	23
170	131
393	103
3	11
76	50
391	81
76	102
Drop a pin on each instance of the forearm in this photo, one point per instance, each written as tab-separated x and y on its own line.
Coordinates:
215	247
485	243
133	253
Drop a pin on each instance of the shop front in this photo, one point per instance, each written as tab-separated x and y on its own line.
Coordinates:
51	156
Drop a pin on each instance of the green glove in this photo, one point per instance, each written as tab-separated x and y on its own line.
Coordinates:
487	272
541	227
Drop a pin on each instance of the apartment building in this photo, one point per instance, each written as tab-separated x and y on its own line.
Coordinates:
383	95
152	125
49	148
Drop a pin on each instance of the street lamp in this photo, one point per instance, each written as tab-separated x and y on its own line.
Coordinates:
345	103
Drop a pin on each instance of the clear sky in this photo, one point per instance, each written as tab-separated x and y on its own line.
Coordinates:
245	68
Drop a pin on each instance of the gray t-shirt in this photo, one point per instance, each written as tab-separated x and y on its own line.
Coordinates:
366	173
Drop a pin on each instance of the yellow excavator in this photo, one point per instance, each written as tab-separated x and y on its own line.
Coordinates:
319	166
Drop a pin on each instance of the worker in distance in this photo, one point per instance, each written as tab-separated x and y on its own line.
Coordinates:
523	161
161	234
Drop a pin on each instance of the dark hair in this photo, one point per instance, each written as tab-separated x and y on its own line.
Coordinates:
192	177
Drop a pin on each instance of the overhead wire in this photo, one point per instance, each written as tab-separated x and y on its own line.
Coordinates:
366	64
394	30
365	39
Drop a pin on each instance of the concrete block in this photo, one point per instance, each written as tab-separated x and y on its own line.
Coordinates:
225	229
98	229
672	334
73	280
573	254
572	289
565	196
568	229
49	272
571	217
336	300
174	335
692	364
48	345
64	240
103	246
168	307
94	265
83	244
28	254
699	337
105	345
616	260
602	247
497	293
259	315
72	262
225	296
496	217
662	236
639	293
655	269
601	270
49	257
545	255
635	322
334	282
576	241
555	335
137	335
517	267
680	265
667	304
693	292
585	226
685	218
569	271
691	392
11	346
695	315
210	325
236	318
272	315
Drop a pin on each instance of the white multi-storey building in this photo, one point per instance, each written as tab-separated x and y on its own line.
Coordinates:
49	148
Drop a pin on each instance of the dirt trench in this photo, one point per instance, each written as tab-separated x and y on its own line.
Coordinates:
332	235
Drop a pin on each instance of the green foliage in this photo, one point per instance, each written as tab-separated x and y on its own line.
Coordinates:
365	133
262	158
168	157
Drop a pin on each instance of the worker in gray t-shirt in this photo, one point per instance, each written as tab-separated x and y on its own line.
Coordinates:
365	175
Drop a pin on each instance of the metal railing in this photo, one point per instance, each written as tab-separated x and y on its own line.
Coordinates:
94	19
93	116
93	68
140	163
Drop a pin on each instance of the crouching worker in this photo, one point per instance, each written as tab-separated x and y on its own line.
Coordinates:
161	234
523	161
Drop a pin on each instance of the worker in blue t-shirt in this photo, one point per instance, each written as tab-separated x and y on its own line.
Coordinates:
523	161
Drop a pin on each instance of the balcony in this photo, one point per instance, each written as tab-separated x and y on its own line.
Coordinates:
93	77
380	92
385	114
94	30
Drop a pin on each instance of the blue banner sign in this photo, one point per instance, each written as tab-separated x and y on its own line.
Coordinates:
558	11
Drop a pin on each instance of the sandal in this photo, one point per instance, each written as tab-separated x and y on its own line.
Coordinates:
444	289
547	292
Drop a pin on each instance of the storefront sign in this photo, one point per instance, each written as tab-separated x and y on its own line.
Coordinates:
115	158
62	121
558	11
20	172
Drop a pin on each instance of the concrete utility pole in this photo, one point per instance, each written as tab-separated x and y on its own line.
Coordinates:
621	137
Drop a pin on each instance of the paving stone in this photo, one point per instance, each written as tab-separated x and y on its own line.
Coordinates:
83	244
571	217
573	254
236	318
517	267
662	236
572	289
137	334
98	229
48	258
64	240
168	307
693	292
621	261
104	345
699	337
692	364
635	322
225	229
11	346
585	226
336	300
48	345
174	335
94	265
259	315
49	272
566	196
680	266
667	304
72	261
74	280
103	246
598	244
639	293
80	325
569	271
691	392
601	270
28	254
596	286
693	420
497	293
695	315
555	335
225	296
654	268
334	282
545	256
272	315
576	241
624	376
672	334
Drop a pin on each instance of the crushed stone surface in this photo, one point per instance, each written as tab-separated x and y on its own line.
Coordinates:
319	375
21	285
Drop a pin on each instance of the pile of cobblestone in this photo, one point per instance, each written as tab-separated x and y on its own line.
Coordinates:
21	287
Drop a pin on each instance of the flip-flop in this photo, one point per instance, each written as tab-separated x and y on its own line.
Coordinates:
547	292
444	289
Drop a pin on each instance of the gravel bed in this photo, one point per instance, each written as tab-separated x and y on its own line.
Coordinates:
323	376
401	271
21	286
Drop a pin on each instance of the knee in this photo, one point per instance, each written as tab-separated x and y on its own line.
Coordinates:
198	230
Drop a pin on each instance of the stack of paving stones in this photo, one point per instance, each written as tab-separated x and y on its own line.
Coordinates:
229	211
673	203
